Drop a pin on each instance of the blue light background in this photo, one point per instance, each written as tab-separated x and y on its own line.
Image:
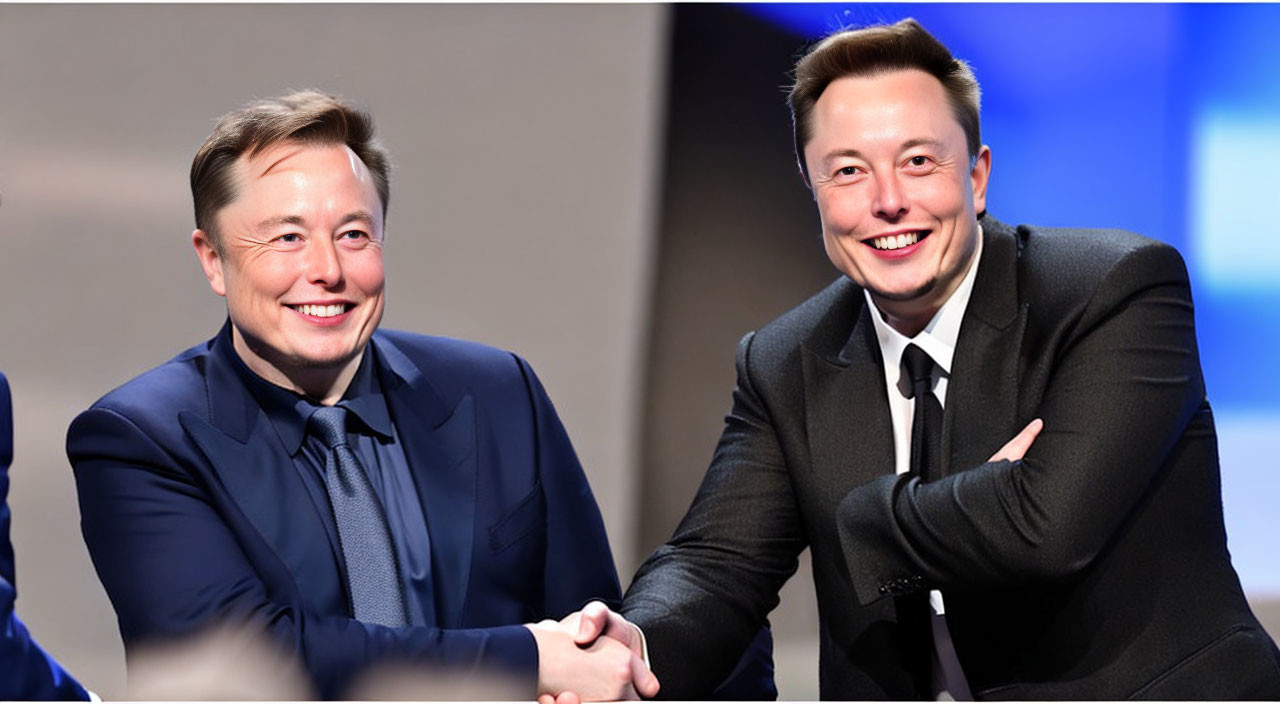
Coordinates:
1165	120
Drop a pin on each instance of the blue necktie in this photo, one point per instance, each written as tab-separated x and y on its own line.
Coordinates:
373	579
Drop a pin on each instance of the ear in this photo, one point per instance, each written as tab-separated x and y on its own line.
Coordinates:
210	261
979	175
803	173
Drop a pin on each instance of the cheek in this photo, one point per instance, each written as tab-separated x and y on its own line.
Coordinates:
840	252
840	213
366	272
264	280
947	198
831	246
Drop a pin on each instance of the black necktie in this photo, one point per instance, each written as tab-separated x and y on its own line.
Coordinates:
926	432
926	422
372	577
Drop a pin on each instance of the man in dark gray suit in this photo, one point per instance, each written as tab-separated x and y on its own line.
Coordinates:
1091	564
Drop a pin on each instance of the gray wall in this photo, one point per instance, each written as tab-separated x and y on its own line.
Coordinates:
524	141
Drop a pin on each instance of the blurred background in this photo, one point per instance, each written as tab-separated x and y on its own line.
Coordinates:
608	190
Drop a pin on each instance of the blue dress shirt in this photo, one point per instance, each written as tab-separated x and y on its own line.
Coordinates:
374	438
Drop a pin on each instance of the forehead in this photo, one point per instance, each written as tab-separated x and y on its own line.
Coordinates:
292	176
335	161
907	103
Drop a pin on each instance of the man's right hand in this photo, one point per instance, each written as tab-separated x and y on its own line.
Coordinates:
572	668
596	620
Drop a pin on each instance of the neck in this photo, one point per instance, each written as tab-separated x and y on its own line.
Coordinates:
322	384
908	322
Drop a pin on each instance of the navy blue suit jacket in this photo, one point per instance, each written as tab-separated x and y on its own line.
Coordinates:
194	512
26	671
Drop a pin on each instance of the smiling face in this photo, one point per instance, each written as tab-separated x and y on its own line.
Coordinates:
300	264
897	192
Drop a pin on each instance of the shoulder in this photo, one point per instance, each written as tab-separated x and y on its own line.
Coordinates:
179	382
823	324
1068	280
1087	254
1065	267
153	400
454	366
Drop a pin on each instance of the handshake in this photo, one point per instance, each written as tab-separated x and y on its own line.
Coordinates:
591	655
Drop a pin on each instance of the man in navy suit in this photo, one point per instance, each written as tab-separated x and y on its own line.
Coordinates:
366	497
26	671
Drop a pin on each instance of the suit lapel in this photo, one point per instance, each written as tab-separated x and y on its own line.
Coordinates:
981	409
846	412
440	445
247	456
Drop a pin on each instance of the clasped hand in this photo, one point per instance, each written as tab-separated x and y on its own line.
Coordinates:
591	655
597	655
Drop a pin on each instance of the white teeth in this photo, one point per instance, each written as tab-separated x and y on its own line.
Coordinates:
321	311
896	241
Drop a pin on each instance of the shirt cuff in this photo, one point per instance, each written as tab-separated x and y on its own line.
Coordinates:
644	645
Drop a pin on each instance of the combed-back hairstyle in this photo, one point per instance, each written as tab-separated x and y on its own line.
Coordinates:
880	49
309	117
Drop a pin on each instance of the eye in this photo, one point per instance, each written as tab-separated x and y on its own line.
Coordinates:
290	237
848	171
353	235
918	160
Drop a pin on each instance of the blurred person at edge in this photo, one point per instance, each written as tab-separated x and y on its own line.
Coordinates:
26	670
372	499
1085	559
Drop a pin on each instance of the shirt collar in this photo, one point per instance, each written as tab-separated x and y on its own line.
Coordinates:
289	411
938	338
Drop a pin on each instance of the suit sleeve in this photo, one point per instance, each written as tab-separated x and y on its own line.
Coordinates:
26	671
171	567
714	583
579	565
1125	385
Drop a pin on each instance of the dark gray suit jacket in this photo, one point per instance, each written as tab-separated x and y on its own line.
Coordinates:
1096	567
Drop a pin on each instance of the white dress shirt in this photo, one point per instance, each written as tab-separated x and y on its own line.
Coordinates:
938	339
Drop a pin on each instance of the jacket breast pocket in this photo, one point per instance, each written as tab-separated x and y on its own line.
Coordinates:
527	518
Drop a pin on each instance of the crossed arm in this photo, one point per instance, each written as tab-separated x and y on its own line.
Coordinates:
1123	384
597	623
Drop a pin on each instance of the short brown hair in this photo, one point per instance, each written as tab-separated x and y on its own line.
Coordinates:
305	116
881	49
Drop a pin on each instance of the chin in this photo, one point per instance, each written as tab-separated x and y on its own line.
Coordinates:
332	360
907	294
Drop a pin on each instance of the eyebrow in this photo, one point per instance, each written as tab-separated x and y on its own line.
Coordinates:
909	144
280	220
826	160
923	142
361	216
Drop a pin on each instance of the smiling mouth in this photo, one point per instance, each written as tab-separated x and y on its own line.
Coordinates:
328	311
905	239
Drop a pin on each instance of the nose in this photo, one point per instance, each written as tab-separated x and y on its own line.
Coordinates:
890	201
323	266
